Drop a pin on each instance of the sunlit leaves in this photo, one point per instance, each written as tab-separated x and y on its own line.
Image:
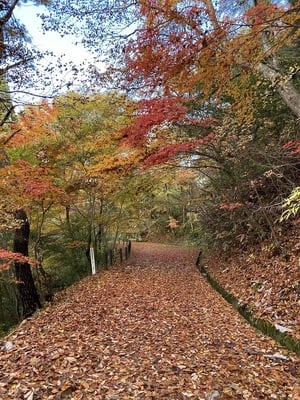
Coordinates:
291	205
92	128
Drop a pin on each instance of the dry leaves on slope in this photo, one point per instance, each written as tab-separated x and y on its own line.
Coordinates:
268	282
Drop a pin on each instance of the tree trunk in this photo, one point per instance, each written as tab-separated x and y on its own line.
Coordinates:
285	88
28	294
272	70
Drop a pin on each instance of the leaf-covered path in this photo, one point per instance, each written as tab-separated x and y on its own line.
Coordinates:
153	330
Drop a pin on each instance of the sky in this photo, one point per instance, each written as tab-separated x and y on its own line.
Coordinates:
64	47
28	15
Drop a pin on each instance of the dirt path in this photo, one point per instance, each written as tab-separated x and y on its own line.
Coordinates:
155	330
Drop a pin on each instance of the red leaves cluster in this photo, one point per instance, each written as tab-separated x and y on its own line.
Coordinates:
8	257
293	146
153	113
161	58
230	206
160	113
168	151
260	15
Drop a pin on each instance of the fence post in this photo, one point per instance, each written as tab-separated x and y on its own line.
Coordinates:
199	260
92	258
106	259
111	256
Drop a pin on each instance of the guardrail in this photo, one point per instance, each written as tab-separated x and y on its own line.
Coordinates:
117	255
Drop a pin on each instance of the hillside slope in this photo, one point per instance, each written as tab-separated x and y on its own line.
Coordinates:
265	279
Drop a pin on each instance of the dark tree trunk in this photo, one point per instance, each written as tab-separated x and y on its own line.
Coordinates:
28	294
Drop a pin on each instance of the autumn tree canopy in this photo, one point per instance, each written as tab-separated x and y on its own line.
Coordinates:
190	62
186	44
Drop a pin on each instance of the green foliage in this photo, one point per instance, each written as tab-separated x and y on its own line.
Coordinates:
291	205
9	313
254	173
64	263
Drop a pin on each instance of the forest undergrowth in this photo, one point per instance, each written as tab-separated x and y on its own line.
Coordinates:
152	328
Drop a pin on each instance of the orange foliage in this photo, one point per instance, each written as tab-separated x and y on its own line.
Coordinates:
33	125
181	47
25	183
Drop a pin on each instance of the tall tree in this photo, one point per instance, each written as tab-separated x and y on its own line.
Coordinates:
29	297
15	57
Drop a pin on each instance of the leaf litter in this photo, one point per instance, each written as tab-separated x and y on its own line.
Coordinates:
152	329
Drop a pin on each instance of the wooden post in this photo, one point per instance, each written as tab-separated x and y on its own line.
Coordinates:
106	259
198	261
92	258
